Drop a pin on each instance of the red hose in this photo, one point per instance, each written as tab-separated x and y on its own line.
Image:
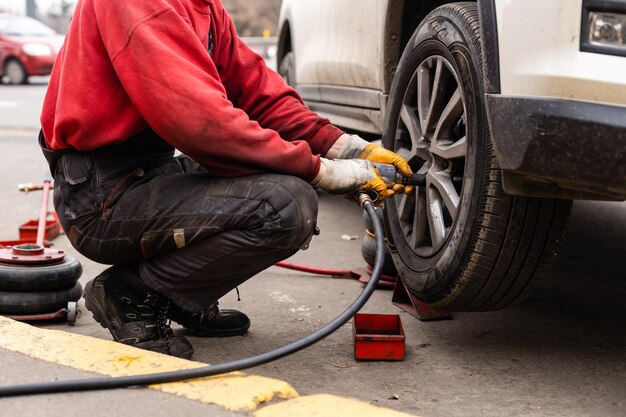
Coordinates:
337	273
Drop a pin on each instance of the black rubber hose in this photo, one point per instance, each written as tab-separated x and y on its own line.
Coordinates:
211	370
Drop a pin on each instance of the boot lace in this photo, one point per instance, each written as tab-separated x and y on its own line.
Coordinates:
161	306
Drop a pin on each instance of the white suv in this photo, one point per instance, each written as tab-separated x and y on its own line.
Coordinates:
512	108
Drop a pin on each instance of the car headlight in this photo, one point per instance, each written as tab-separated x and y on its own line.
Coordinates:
604	27
37	49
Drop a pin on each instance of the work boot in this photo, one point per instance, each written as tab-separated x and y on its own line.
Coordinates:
133	313
212	322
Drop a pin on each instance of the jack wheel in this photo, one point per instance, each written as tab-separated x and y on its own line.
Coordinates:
72	312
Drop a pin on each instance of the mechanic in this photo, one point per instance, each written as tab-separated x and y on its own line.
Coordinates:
136	80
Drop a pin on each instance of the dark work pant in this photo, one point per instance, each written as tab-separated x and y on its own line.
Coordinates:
193	236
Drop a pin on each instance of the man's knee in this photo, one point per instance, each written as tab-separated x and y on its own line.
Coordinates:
295	207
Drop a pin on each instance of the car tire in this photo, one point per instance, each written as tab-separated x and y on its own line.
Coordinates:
460	243
287	69
15	72
38	302
40	277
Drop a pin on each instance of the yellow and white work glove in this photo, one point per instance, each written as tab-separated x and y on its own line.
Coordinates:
347	176
351	147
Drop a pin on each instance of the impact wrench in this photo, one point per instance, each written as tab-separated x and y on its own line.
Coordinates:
390	175
93	384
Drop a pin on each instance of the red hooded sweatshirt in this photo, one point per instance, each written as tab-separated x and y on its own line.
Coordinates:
127	65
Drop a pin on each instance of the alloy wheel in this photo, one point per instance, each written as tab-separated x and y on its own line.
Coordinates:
431	136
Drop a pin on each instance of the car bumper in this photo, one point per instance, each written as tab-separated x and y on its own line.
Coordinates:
559	148
38	65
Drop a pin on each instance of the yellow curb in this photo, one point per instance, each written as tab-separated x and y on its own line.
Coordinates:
234	392
325	405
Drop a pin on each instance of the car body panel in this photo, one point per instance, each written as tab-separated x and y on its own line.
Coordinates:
322	59
542	58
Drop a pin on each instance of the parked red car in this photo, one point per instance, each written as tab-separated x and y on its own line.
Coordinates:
27	47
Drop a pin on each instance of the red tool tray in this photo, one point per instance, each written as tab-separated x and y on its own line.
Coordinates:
378	337
28	230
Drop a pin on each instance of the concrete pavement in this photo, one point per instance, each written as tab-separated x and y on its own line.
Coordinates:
561	353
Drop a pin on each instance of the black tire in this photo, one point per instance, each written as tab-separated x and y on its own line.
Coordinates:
41	277
38	302
368	251
368	246
15	72
460	243
287	69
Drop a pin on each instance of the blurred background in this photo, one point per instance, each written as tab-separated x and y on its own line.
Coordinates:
32	32
252	17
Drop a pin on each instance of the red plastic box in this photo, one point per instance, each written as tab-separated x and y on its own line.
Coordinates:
378	337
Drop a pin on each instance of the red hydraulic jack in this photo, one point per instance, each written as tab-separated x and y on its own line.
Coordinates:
35	277
27	252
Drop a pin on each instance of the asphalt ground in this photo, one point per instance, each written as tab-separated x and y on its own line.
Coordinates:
563	352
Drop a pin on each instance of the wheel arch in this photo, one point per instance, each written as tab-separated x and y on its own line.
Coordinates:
9	58
285	44
403	17
489	41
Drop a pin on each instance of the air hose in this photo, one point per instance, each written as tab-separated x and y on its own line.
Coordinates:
103	383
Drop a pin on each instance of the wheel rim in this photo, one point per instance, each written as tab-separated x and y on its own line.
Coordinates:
15	72
431	136
285	69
